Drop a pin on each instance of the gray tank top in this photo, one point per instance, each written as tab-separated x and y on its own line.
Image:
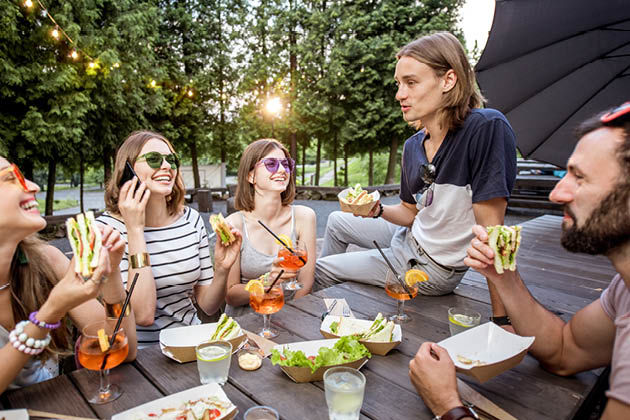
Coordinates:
253	262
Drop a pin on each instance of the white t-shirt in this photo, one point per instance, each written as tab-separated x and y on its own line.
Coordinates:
180	260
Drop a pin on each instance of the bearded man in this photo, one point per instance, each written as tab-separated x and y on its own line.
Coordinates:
596	198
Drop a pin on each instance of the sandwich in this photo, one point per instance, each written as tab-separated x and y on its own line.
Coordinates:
380	329
227	329
85	241
504	241
223	230
358	195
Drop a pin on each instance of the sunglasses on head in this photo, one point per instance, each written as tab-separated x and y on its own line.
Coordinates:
273	164
155	159
18	178
623	109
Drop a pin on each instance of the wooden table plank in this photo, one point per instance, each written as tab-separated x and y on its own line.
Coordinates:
136	388
58	395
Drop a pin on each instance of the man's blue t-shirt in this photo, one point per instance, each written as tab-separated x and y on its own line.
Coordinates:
476	162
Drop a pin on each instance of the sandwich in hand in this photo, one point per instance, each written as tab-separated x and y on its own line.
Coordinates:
227	329
85	241
223	230
358	195
504	241
381	330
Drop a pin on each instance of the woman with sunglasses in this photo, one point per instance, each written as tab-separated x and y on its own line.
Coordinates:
40	294
167	242
265	191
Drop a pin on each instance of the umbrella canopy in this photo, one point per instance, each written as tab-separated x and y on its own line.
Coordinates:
550	64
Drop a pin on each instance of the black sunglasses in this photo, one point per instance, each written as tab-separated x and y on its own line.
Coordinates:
623	109
155	159
429	173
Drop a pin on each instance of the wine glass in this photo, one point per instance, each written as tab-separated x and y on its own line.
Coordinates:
394	288
293	262
267	303
93	356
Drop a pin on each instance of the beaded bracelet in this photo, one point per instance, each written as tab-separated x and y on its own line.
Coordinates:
41	324
29	345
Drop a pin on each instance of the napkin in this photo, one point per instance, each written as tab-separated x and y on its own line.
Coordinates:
340	309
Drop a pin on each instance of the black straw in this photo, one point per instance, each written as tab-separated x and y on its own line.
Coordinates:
274	281
282	242
120	318
391	267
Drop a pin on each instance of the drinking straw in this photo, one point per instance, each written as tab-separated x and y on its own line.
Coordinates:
282	242
120	318
391	267
274	281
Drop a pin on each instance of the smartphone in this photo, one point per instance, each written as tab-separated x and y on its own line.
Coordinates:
128	175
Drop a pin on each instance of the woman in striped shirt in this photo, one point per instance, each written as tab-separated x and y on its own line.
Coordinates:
167	242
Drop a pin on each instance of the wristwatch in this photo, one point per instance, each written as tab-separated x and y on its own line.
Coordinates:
501	320
458	413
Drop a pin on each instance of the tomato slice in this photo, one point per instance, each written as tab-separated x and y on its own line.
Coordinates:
92	240
214	413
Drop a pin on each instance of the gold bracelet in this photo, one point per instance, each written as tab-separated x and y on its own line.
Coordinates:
139	260
113	310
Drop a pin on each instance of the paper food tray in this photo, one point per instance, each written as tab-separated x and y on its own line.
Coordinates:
179	343
360	209
380	348
310	348
490	348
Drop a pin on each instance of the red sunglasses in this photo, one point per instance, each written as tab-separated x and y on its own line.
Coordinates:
18	178
622	109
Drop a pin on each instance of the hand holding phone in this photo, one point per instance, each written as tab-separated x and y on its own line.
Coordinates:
128	175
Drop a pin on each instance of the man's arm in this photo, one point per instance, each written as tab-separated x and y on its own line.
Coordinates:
401	214
585	342
491	213
616	409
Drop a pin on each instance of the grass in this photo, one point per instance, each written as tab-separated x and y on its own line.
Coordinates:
358	171
58	204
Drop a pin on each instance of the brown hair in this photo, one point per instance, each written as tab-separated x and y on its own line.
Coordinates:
623	151
129	151
244	199
443	52
32	279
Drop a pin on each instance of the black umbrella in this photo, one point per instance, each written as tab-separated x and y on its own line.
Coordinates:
550	64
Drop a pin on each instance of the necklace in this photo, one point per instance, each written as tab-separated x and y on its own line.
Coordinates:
4	286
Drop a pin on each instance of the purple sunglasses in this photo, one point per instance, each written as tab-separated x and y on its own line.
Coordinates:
273	164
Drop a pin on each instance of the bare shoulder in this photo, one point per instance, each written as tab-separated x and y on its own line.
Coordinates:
235	220
58	261
304	213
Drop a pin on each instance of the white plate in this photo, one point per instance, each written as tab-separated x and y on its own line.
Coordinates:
175	400
19	414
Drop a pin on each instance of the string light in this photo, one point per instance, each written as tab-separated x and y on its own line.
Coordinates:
153	83
28	4
55	33
74	54
190	93
92	64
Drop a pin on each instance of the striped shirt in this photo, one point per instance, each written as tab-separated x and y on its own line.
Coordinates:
180	260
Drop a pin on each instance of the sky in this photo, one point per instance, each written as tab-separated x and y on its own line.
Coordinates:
476	21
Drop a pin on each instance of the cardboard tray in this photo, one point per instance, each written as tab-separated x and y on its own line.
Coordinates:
17	414
310	348
379	348
179	343
492	349
175	400
360	209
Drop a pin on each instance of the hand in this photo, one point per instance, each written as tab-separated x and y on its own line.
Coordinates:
132	205
481	256
71	291
225	256
286	276
373	212
115	244
432	373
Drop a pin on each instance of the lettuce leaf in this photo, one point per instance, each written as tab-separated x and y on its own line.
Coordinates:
334	327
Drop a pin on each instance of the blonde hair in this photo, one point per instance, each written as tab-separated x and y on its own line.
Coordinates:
129	152
443	52
254	152
31	284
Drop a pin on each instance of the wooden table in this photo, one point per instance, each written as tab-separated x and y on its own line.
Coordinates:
526	391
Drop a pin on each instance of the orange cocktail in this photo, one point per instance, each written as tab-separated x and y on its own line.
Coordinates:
398	292
292	261
403	289
91	357
267	303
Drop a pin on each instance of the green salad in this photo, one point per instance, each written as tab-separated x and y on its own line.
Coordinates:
347	349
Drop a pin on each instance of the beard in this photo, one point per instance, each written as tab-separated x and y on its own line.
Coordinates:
607	228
